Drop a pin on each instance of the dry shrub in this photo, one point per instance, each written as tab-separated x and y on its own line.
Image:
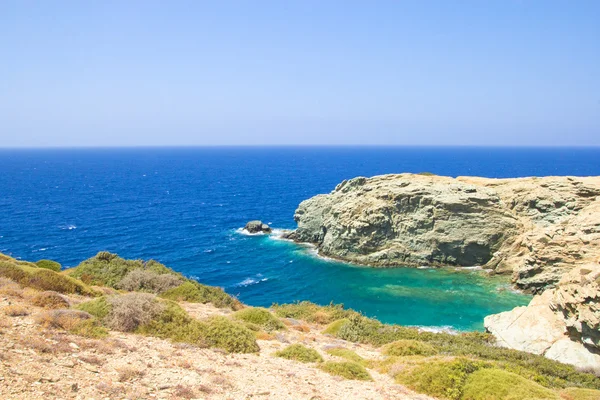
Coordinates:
301	328
184	392
8	287
187	364
204	388
39	344
63	319
15	310
109	388
145	280
262	335
222	381
132	310
50	299
129	373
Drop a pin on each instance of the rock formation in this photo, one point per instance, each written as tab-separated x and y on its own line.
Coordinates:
257	227
534	228
562	323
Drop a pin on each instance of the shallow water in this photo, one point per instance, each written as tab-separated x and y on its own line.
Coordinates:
183	207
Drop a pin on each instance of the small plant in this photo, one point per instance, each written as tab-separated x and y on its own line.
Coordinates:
98	307
300	353
144	280
74	321
50	299
408	348
184	392
347	369
15	310
195	292
260	317
345	353
49	264
496	384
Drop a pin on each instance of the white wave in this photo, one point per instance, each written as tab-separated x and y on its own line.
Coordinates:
251	281
473	268
244	232
68	227
208	251
438	329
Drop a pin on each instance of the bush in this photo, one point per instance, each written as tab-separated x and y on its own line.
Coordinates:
132	310
300	353
15	310
311	312
107	269
175	324
347	369
408	348
50	299
229	335
496	384
345	353
334	327
195	292
444	379
49	264
260	317
144	280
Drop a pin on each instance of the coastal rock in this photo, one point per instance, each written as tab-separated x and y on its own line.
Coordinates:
257	227
533	228
561	323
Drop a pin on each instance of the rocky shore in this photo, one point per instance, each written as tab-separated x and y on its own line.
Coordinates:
544	232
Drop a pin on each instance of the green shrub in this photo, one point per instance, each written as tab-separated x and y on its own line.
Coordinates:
174	323
195	292
260	317
229	335
99	307
345	353
580	394
43	279
334	327
311	312
49	264
300	353
443	379
346	369
496	384
106	269
408	348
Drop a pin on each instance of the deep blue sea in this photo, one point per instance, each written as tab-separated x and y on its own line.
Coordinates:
184	206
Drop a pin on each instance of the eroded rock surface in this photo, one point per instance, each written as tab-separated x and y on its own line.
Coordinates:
257	227
562	323
535	228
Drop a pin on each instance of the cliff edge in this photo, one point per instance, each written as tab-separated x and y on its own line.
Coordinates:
537	229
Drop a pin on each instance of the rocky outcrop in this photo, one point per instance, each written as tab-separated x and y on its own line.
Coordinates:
257	227
534	228
562	323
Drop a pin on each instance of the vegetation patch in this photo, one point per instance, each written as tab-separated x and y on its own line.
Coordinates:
195	292
260	317
99	307
346	369
334	327
580	394
345	353
496	384
29	275
49	264
74	321
230	335
408	347
132	310
50	299
311	312
145	280
298	352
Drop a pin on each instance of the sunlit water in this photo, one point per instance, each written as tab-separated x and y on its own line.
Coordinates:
184	207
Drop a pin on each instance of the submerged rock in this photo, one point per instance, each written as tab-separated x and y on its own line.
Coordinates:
562	323
535	228
257	227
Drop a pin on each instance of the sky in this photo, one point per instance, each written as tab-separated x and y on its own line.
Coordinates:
155	73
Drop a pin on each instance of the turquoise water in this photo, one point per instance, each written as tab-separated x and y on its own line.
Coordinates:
183	207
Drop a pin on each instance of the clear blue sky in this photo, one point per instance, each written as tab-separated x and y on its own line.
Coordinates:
122	73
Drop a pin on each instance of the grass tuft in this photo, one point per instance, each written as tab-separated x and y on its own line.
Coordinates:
300	353
345	353
50	299
496	384
408	347
260	317
49	264
347	369
311	312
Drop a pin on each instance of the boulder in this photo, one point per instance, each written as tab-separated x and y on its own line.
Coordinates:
257	227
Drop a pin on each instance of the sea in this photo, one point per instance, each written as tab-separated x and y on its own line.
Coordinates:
185	207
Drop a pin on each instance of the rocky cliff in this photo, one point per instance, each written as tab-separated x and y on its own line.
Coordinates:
562	323
534	228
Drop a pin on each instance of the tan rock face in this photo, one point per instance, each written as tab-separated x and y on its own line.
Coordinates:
535	228
561	323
